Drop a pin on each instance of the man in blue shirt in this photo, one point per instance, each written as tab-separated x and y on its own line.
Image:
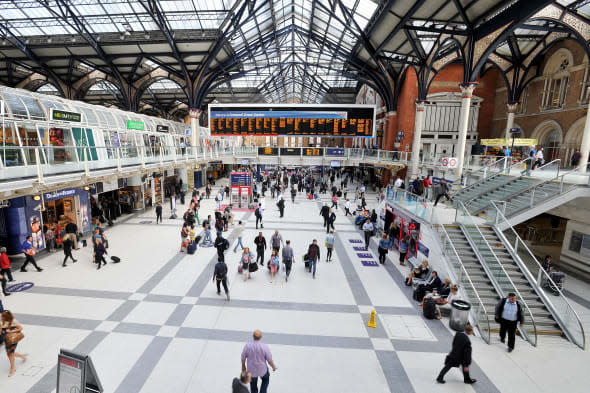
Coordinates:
508	314
29	251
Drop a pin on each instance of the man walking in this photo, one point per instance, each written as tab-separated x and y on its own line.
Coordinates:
221	244
260	242
159	213
508	314
368	229
313	254
255	356
281	206
220	277
293	194
347	209
444	191
239	234
288	258
331	219
258	214
460	356
276	241
29	252
325	212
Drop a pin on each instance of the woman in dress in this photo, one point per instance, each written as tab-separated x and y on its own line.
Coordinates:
11	326
273	264
246	261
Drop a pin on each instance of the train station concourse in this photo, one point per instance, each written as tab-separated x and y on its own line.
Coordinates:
323	196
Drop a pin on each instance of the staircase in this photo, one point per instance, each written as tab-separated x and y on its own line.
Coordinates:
478	277
543	319
505	191
480	188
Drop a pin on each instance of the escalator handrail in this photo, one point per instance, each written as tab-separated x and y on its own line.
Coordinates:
534	282
500	292
486	338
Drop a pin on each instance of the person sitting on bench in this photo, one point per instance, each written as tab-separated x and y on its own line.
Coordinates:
433	283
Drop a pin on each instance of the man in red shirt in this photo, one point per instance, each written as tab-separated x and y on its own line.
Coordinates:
5	273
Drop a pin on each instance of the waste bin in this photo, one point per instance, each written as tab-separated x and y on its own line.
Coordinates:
459	315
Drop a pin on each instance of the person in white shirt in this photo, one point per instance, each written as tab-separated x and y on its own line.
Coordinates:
239	233
347	208
398	183
540	158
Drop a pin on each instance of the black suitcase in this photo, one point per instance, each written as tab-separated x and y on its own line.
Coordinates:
192	248
115	259
417	295
429	308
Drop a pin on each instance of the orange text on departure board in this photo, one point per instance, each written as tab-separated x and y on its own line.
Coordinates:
251	126
273	125
258	125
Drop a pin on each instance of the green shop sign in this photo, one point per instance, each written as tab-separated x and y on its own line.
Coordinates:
65	116
135	125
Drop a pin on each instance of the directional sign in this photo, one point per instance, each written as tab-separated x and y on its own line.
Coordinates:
56	114
449	162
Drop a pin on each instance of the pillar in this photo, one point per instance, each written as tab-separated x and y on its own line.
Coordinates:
419	125
195	128
467	94
390	134
511	111
585	148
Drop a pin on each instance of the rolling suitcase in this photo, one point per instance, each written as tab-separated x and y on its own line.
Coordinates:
192	248
429	309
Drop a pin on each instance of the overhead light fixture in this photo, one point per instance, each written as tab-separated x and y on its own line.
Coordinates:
127	33
122	37
147	36
73	39
37	197
86	188
27	41
49	40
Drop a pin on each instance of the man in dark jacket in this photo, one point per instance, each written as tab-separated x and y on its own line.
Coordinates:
293	194
331	219
159	213
313	255
281	206
242	384
260	242
221	245
508	314
460	356
325	212
220	277
444	191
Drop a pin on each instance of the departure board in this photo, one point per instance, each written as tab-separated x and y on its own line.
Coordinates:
292	120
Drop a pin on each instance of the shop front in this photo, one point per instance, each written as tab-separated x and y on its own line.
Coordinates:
65	206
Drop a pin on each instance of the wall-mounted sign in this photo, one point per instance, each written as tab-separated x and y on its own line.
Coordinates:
313	152
188	131
449	162
52	196
268	151
58	115
161	128
135	125
335	152
506	142
290	151
515	130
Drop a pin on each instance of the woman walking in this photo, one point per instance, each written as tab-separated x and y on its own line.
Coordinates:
99	252
403	250
329	245
246	261
12	332
68	244
383	248
273	264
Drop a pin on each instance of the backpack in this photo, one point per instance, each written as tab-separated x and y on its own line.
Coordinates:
429	309
257	212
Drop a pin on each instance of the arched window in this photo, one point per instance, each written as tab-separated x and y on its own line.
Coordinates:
556	76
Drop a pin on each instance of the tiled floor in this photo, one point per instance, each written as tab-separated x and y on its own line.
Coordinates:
154	322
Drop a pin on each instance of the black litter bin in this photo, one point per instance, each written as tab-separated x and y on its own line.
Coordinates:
459	315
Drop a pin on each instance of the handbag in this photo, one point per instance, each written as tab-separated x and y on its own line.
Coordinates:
13	338
252	267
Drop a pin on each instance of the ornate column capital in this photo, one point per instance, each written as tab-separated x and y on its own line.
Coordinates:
194	113
512	106
467	89
420	105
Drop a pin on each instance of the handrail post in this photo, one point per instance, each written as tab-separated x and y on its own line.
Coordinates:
119	159
39	168
86	169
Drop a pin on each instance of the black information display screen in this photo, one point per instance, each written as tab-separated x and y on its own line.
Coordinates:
290	151
292	120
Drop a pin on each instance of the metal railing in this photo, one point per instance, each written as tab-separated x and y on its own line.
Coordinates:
478	309
495	270
415	204
564	313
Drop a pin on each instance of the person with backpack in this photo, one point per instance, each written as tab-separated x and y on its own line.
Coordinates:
281	206
221	244
288	258
258	215
508	313
313	255
220	277
330	239
293	194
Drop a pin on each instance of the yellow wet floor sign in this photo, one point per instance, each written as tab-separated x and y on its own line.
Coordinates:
372	323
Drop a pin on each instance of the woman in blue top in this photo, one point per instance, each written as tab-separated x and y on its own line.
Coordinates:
403	249
273	264
330	245
383	248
